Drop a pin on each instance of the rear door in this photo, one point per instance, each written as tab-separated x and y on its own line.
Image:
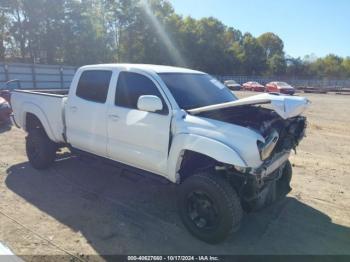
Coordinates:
135	137
86	112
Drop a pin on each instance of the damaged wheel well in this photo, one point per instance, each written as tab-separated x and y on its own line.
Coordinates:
194	161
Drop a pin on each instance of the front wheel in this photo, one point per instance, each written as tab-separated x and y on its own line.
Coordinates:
41	151
283	184
209	207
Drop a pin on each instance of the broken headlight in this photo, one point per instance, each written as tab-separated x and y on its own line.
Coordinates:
265	149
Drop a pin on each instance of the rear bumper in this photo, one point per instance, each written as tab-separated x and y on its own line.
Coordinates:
259	89
287	91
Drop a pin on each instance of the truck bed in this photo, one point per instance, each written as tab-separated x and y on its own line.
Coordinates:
50	92
46	104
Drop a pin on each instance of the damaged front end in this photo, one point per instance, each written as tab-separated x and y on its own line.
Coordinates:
266	184
272	179
261	186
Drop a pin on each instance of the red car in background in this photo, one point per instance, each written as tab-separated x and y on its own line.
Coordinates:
253	86
5	96
280	87
5	111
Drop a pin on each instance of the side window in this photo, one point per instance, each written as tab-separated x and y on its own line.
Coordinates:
93	85
131	86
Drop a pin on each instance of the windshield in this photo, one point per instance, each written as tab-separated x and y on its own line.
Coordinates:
282	84
196	90
230	82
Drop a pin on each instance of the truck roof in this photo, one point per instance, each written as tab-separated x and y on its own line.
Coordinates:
144	67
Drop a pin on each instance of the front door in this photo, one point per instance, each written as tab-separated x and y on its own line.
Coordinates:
135	137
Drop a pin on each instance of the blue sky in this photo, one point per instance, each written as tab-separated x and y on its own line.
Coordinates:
306	26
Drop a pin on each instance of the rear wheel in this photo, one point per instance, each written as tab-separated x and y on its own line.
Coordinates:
209	207
41	151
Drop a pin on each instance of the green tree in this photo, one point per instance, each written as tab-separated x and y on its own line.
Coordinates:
15	13
272	44
3	32
85	39
237	55
273	48
346	66
122	15
212	57
232	36
81	32
189	37
253	57
277	65
159	32
34	27
44	22
328	67
296	67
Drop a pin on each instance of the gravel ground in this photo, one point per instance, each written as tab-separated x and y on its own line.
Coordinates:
87	209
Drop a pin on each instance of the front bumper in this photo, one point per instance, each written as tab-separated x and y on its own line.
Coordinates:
271	165
260	186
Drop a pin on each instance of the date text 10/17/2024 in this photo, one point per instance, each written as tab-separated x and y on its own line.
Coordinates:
173	258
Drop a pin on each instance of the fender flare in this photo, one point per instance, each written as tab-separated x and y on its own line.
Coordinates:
203	145
31	108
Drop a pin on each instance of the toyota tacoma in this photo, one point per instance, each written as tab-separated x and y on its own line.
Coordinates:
226	155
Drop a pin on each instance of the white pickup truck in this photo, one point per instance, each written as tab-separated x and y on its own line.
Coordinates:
226	154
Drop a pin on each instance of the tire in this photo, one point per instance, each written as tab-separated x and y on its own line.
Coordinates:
221	204
41	151
283	184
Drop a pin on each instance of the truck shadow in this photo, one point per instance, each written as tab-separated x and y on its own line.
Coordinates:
119	212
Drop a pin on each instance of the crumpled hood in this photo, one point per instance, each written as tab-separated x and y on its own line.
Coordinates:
241	139
283	105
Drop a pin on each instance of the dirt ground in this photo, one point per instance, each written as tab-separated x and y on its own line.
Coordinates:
84	208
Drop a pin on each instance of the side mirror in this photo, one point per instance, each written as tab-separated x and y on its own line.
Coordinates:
149	103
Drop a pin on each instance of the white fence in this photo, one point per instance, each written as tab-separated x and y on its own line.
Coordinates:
55	76
37	76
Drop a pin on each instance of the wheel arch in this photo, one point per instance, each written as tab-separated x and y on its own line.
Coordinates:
33	116
198	148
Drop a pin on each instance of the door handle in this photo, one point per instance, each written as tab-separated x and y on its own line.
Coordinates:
114	117
73	109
